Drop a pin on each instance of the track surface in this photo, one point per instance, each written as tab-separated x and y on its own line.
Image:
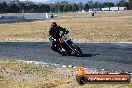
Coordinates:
103	56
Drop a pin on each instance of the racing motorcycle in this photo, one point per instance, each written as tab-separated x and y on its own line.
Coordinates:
66	47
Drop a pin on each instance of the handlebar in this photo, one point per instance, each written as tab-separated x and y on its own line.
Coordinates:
61	36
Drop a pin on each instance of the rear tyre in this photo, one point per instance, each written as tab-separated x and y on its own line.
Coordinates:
62	52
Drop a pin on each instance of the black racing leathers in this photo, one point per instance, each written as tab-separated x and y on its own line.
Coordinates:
54	32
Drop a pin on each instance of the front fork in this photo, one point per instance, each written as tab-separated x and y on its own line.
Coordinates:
72	49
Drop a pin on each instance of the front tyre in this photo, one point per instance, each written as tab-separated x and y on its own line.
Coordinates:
76	50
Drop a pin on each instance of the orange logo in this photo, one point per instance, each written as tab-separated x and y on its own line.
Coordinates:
82	77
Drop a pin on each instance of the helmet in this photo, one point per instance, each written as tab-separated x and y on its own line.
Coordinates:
53	24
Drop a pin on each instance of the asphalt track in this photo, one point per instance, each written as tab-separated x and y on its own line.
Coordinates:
111	56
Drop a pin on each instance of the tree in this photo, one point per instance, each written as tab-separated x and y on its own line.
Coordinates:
47	8
44	8
69	7
123	3
52	8
95	5
111	4
106	4
34	8
86	7
66	8
29	6
130	4
4	7
21	6
62	6
13	8
1	8
90	3
80	6
75	7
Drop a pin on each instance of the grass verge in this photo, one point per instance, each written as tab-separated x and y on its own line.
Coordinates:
18	74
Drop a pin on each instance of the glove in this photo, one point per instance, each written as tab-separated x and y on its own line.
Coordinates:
67	32
50	38
64	33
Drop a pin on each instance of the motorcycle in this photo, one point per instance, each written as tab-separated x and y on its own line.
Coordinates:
66	47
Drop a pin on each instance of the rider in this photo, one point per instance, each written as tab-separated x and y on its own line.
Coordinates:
54	33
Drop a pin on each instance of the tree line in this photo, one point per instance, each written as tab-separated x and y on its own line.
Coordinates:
63	6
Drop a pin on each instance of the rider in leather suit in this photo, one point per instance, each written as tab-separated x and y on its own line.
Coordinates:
54	34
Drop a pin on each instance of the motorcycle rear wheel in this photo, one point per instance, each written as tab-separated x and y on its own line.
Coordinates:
63	53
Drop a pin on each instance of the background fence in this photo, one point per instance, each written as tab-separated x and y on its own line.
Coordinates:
22	17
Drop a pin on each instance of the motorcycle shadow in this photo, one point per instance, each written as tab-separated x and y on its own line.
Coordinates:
89	55
85	55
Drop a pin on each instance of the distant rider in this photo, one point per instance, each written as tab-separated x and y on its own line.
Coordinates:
54	34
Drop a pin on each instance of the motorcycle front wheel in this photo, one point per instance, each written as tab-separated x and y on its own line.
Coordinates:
76	50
